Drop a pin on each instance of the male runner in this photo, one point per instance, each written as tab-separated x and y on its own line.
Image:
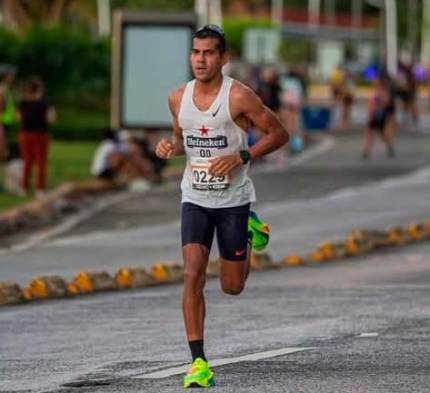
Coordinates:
210	117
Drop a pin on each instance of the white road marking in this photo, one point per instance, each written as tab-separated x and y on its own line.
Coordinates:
370	334
221	362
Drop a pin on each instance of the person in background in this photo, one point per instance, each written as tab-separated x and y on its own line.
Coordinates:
428	81
346	98
250	77
147	146
292	100
119	158
336	80
35	115
108	157
342	89
381	112
7	109
407	87
269	89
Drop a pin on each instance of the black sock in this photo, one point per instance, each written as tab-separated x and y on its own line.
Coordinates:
196	348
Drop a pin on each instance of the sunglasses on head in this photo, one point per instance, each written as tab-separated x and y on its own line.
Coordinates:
213	28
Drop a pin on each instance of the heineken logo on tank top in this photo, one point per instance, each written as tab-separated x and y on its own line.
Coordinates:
217	142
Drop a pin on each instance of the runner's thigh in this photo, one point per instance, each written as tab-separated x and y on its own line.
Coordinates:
197	225
232	232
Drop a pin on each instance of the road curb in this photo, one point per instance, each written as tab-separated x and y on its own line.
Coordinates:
358	242
46	210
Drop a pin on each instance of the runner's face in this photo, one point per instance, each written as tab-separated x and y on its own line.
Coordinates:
206	59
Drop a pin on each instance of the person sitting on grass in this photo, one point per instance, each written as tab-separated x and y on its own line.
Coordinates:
118	158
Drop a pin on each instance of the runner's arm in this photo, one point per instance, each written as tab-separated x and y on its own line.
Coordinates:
167	148
177	138
251	106
244	102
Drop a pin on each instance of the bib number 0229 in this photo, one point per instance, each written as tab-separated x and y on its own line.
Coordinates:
203	180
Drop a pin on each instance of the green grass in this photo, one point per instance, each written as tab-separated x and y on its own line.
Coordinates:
68	161
8	201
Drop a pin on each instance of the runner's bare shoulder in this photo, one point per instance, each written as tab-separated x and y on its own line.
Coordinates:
242	97
175	97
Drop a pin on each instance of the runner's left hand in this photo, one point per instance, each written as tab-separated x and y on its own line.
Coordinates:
222	166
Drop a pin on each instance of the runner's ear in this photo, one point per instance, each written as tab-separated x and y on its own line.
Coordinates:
225	58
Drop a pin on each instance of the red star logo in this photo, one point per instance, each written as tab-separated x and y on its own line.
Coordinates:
203	131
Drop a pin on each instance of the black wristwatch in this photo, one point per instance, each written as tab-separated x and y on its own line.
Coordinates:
244	156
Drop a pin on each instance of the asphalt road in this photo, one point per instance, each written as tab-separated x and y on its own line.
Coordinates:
110	342
102	343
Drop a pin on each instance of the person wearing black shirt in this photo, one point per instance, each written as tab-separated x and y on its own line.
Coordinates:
269	89
34	115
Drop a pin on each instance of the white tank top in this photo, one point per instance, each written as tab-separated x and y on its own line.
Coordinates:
207	135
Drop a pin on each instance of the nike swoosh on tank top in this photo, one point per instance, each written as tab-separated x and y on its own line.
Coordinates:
208	135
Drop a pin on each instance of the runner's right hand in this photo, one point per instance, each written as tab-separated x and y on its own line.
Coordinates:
164	149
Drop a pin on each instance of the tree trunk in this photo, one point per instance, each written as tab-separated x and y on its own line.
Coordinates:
15	15
20	14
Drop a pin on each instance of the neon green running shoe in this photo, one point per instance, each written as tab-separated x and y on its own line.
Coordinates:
260	232
199	375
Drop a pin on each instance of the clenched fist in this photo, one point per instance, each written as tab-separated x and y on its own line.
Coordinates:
164	149
223	165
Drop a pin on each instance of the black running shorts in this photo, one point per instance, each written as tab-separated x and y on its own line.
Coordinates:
231	225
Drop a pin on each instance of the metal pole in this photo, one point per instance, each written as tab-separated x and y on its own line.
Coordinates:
412	29
201	9
357	13
215	12
391	36
103	16
277	13
330	11
314	13
425	35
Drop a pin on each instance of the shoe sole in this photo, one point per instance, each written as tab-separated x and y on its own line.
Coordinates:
206	384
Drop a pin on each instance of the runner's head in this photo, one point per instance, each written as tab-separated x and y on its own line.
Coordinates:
208	54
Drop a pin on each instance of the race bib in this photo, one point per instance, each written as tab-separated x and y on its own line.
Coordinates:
204	181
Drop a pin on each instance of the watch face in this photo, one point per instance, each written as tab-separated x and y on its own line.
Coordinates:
244	155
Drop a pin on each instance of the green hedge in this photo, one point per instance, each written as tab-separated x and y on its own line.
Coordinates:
234	29
74	66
